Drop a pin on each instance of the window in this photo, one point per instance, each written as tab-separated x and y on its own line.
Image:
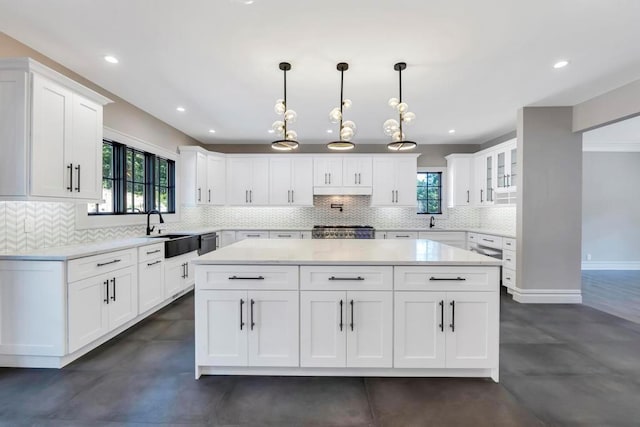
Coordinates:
134	182
429	192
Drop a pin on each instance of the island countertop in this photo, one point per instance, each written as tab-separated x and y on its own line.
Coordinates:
343	252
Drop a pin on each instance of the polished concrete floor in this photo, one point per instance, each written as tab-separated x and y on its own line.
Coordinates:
561	365
615	291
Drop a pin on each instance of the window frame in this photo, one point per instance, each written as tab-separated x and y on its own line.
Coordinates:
443	190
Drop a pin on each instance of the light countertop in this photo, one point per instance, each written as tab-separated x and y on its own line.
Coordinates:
344	252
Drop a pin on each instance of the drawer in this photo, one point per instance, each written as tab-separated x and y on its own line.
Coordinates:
509	259
241	235
285	235
508	278
472	237
82	268
446	278
346	278
249	277
443	236
401	235
151	252
509	244
490	241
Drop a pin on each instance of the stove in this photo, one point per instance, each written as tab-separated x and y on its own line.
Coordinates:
343	232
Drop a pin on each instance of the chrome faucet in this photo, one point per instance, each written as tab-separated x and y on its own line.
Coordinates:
432	222
150	229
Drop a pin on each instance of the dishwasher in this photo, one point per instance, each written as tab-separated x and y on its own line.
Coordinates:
487	245
208	243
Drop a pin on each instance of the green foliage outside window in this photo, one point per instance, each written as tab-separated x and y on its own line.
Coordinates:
429	192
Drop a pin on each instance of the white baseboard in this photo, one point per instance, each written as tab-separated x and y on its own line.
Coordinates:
547	296
611	265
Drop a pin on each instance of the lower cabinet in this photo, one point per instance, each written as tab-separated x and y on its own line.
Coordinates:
100	304
178	273
445	329
151	284
346	329
247	328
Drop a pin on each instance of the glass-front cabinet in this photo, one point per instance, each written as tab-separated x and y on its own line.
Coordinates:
506	172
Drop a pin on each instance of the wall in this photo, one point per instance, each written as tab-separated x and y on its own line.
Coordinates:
611	209
499	140
613	106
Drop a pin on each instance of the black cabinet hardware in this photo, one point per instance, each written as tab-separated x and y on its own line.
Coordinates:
253	235
184	271
453	316
250	196
292	193
246	278
453	279
252	322
106	287
246	196
441	325
481	191
78	187
392	196
241	321
488	240
399	236
149	264
187	267
70	187
346	278
113	282
467	196
153	252
341	324
102	264
199	194
209	195
351	303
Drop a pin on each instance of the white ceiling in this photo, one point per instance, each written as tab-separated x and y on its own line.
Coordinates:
471	64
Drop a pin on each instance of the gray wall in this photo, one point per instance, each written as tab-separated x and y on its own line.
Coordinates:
499	140
613	106
549	213
120	114
611	207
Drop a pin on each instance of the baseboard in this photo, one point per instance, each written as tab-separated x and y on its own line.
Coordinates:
611	265
547	296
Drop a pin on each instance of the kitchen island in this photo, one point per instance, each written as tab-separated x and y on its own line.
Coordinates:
346	308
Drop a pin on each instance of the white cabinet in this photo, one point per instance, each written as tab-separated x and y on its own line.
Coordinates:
285	235
248	181
484	172
227	237
203	177
291	181
451	238
459	179
346	329
357	171
216	180
150	276
178	274
247	328
394	181
327	172
351	174
506	173
401	235
51	133
255	234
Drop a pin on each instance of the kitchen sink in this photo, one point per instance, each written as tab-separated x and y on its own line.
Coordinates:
179	244
170	236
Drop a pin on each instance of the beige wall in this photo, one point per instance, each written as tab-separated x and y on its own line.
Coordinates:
119	115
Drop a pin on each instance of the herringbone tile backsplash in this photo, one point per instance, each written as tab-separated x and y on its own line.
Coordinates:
54	223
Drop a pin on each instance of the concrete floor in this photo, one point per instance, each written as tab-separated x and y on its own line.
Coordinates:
616	292
561	365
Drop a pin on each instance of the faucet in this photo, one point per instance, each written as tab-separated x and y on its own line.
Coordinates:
150	229
432	222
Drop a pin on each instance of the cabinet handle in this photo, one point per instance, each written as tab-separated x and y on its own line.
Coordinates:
396	196
284	235
325	178
186	264
467	196
509	259
346	278
250	196
450	279
78	187
401	236
329	178
153	252
252	322
246	196
246	278
488	240
184	271
441	325
392	196
106	287
359	178
288	196
199	194
453	316
102	264
355	178
209	195
241	304
253	235
341	324
292	193
481	196
70	187
113	282
149	264
351	303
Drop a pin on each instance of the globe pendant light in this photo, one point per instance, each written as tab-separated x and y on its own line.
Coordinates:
347	128
392	127
288	141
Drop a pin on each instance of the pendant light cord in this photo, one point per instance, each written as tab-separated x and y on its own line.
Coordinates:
341	100
400	100
285	103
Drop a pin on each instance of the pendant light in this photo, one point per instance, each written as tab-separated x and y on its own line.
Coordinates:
392	127
288	141
347	128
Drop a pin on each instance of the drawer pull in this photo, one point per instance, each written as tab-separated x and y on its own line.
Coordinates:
149	264
241	321
102	264
508	259
488	240
246	278
153	252
351	303
346	278
441	325
252	322
452	325
454	279
402	235
341	324
284	235
253	235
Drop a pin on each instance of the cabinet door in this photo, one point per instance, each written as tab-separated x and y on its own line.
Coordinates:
216	180
280	181
302	182
201	179
174	271
357	171
490	177
88	314
221	328
406	181
14	104
459	177
51	166
472	329
327	171
150	284
513	167
419	330
85	149
323	329
273	328
123	296
384	182
370	328
259	189
238	180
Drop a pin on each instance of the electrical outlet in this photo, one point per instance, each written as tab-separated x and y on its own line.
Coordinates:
588	257
29	225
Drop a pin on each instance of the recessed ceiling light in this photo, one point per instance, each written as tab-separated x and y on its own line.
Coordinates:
452	131
561	64
271	131
329	130
181	109
212	131
111	59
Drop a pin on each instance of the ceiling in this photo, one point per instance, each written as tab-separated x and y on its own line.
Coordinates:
471	64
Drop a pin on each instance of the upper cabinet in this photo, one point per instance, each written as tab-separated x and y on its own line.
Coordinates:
51	134
484	183
350	174
203	177
459	180
506	172
394	180
248	180
290	181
